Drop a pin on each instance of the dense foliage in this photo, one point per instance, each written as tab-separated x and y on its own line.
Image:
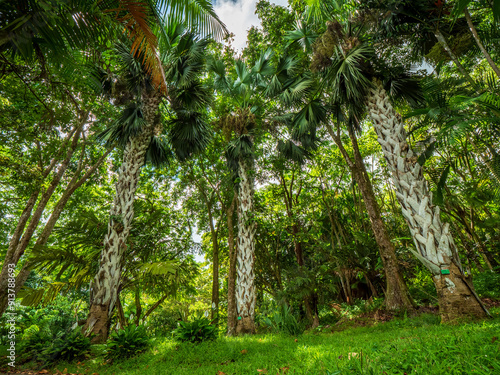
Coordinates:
345	164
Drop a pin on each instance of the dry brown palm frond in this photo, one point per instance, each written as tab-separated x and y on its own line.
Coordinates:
134	15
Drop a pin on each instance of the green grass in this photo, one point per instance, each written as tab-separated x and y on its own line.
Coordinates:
412	346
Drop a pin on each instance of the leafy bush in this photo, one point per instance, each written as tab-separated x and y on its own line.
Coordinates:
50	319
70	346
198	330
421	287
127	342
487	284
283	321
33	343
41	345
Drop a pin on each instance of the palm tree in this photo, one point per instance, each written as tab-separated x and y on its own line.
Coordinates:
240	127
30	29
351	68
139	132
251	89
342	110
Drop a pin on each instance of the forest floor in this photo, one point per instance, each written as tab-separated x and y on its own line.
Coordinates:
404	345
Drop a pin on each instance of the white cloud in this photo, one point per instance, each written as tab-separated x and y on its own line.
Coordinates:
239	16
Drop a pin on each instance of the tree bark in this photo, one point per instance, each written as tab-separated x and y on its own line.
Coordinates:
105	285
396	294
245	286
231	277
435	247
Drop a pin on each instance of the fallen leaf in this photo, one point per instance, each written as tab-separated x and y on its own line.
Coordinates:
65	371
44	372
244	351
296	340
262	371
493	339
352	355
284	370
221	373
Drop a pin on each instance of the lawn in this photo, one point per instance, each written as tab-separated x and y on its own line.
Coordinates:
403	346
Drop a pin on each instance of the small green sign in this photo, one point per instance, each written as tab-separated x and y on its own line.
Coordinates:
239	317
445	272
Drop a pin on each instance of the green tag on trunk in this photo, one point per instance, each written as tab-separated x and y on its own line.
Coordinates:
445	272
239	317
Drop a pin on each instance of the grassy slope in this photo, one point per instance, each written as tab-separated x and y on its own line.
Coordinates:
413	346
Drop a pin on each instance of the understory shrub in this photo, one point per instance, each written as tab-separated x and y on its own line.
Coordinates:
68	347
127	342
197	330
283	321
40	330
41	345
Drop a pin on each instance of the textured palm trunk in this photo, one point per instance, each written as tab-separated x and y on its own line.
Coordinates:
434	243
105	285
245	286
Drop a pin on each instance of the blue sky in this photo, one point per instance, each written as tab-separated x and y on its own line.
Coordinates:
239	16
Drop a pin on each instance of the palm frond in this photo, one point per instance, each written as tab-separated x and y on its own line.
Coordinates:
198	15
188	133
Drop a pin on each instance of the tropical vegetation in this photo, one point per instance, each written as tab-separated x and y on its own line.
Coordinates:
163	194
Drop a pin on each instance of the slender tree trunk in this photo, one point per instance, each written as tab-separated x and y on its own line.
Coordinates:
105	285
480	44
442	40
121	314
138	307
42	239
215	265
231	277
370	285
154	307
24	231
245	287
434	243
396	295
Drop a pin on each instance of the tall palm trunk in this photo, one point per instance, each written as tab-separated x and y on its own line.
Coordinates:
245	286
105	285
433	240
